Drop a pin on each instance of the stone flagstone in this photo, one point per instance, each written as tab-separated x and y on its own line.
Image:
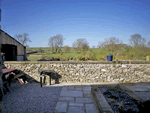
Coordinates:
135	88
66	98
84	100
90	108
78	88
148	87
75	104
72	93
64	88
86	89
71	88
61	107
86	94
73	109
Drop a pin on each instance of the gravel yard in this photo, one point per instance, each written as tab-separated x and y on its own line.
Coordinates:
31	98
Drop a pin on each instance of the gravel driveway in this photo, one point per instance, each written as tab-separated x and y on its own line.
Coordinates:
31	98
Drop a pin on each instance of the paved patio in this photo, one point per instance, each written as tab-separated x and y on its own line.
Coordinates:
76	99
61	98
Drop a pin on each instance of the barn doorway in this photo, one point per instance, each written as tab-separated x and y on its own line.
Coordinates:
10	52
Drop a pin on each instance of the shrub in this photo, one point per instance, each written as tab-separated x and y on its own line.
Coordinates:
80	57
62	58
53	52
100	57
87	57
83	52
43	57
56	58
85	47
120	58
74	58
93	56
67	57
143	58
67	49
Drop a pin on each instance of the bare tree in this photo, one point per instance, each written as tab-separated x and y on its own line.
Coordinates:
85	47
111	44
80	44
56	42
23	39
148	44
136	40
102	44
51	43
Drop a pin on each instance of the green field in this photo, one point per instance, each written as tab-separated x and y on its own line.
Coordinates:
94	53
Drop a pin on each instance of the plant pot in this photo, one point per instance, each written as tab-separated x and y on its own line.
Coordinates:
109	57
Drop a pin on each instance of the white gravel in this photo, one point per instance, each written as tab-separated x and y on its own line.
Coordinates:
31	98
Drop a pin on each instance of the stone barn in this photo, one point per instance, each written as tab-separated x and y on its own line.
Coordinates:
13	50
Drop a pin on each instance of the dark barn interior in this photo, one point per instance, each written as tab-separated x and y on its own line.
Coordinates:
10	52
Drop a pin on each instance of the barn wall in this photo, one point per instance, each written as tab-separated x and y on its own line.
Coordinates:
1	83
20	58
6	39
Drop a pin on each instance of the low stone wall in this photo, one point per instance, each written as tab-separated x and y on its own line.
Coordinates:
87	72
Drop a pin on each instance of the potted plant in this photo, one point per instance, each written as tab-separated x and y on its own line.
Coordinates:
109	56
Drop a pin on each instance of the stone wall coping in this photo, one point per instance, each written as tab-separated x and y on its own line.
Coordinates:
76	62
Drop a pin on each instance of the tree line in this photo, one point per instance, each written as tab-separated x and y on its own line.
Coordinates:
110	44
81	45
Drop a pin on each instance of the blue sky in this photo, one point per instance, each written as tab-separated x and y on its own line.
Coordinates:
93	20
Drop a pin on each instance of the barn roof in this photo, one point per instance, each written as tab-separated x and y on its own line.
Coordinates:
12	38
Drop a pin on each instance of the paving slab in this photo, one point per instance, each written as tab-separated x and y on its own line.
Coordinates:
148	87
84	100
137	88
71	88
72	93
141	89
66	99
143	95
86	89
90	108
78	88
75	104
73	109
65	88
61	107
86	94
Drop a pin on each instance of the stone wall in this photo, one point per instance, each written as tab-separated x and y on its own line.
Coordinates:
87	72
